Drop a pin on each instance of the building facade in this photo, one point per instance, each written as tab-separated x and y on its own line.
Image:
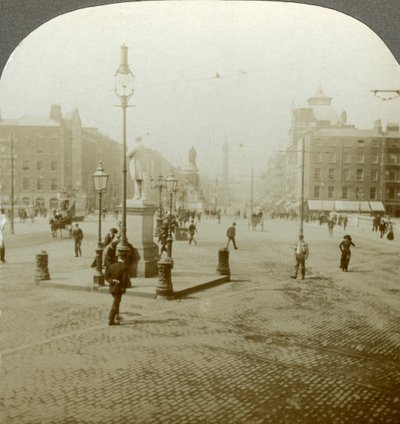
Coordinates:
54	158
341	162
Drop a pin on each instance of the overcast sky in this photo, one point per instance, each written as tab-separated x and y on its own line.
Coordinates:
268	55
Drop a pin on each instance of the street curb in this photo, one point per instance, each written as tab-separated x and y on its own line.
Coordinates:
203	286
135	291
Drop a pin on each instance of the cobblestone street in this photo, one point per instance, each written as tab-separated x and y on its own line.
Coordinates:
263	348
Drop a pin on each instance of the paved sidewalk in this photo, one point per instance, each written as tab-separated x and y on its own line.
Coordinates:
195	269
184	282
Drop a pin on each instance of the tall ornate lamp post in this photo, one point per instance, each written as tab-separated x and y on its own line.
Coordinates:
42	203
160	186
171	183
100	179
124	90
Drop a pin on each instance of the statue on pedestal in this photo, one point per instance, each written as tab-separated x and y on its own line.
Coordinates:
136	169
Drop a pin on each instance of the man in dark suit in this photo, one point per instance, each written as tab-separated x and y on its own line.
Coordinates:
117	277
110	236
77	234
231	234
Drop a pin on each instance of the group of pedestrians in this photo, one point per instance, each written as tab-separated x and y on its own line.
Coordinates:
117	271
384	226
301	251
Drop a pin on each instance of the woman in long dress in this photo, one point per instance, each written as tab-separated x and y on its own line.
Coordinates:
344	247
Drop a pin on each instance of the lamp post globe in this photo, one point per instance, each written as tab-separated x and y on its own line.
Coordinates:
100	179
123	90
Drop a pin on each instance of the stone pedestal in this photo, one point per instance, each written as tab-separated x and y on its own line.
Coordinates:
140	233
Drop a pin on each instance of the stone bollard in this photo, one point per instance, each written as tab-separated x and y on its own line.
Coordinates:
223	262
42	270
164	287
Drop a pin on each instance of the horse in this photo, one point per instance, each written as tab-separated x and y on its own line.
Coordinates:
60	223
257	219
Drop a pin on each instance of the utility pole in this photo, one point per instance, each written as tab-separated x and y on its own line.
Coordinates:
252	192
302	185
12	185
216	192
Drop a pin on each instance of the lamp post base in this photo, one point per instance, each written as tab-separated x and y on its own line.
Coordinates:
164	288
98	277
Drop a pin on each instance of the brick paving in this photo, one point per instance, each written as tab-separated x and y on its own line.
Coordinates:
262	349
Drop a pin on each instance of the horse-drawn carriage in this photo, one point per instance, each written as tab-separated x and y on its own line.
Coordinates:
59	222
256	219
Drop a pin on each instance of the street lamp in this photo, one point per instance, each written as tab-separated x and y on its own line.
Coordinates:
160	186
12	185
41	196
124	90
171	183
100	179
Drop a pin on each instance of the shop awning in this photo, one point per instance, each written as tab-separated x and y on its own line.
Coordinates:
377	206
351	206
320	205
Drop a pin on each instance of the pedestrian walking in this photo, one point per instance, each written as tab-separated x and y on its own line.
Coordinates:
331	224
162	238
344	247
389	229
192	230
231	234
77	234
117	277
382	228
301	252
345	221
375	223
3	221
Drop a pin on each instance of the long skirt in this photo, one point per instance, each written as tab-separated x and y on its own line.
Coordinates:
345	260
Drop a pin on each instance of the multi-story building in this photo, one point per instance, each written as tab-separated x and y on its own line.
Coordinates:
341	162
54	158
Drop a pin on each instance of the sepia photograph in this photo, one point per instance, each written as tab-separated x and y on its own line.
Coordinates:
199	215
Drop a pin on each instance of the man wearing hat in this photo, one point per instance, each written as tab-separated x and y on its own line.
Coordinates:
77	234
231	234
301	253
117	276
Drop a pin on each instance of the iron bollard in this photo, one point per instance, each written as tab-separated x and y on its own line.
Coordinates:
164	287
223	262
42	270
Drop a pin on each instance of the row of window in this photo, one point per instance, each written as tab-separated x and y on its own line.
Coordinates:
346	142
26	184
345	192
332	157
26	165
346	174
